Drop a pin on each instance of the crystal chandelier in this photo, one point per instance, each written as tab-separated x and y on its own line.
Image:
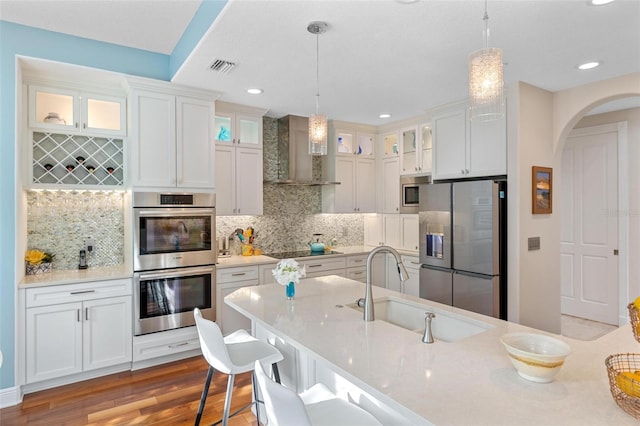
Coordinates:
317	122
485	79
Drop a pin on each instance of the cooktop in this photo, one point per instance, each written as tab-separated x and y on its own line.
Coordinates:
300	253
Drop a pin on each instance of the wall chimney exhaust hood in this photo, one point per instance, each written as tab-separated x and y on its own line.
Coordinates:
295	165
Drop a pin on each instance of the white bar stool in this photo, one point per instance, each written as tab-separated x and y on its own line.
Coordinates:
315	406
233	354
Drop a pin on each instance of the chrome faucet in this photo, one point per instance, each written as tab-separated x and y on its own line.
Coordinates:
368	296
428	336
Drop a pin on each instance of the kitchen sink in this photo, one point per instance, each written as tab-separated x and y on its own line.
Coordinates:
446	326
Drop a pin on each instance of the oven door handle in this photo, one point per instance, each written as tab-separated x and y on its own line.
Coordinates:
174	212
173	273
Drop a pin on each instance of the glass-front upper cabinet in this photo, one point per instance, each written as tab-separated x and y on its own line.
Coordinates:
426	138
408	157
232	128
390	144
73	111
355	143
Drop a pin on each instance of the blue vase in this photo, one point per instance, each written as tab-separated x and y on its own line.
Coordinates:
291	290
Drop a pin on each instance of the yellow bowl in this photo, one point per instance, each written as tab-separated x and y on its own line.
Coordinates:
536	357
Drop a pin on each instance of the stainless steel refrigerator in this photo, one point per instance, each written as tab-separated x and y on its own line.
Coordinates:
463	245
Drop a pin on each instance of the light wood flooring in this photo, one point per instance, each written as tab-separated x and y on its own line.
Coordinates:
584	329
165	395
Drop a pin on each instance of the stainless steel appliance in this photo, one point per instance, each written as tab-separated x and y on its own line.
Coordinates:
174	259
173	230
410	193
165	299
463	245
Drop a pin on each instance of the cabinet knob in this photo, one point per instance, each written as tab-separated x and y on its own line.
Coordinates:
238	141
461	171
397	208
466	171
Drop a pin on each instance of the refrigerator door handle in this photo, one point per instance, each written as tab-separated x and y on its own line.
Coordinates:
473	274
436	268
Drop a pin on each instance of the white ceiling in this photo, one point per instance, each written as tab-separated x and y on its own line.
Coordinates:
378	56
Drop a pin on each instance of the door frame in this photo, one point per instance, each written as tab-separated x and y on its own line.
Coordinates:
622	211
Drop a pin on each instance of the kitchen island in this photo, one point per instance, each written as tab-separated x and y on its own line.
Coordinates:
390	372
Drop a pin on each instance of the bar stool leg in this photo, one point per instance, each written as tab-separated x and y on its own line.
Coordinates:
227	400
203	398
254	384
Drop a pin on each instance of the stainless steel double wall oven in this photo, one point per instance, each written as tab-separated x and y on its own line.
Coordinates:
174	260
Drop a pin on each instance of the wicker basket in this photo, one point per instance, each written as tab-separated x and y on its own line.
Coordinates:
633	318
616	364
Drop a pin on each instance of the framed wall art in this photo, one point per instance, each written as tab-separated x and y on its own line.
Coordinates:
542	190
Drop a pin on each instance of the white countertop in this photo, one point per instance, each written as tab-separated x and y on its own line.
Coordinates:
467	382
72	276
235	260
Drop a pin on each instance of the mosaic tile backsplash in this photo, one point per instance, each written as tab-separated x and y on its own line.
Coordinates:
58	222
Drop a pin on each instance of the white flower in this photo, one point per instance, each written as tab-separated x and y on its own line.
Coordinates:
288	270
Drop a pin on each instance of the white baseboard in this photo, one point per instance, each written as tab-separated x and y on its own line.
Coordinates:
10	396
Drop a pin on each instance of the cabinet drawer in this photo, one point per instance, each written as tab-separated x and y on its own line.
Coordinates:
411	262
321	265
360	260
155	345
358	274
231	275
66	293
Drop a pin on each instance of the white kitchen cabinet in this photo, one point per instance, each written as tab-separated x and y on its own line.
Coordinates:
356	192
415	150
373	230
239	181
235	128
350	142
322	266
464	149
172	142
76	328
357	267
389	143
391	185
409	232
412	285
391	229
266	276
229	280
68	110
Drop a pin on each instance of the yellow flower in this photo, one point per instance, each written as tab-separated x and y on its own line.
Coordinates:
35	257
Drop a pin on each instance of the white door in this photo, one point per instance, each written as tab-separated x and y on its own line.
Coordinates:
390	185
589	197
344	193
107	332
225	180
195	149
248	181
366	185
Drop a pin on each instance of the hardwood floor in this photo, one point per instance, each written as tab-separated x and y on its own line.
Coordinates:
165	395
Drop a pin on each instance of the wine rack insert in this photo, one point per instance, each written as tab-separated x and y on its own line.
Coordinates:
63	159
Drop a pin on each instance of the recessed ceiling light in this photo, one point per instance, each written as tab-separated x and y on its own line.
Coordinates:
385	115
600	2
588	65
255	91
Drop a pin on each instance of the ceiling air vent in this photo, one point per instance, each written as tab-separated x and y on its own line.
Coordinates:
222	66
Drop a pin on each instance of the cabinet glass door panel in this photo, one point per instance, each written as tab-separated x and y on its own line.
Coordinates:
223	130
390	143
345	143
427	145
54	109
248	131
409	163
365	145
104	114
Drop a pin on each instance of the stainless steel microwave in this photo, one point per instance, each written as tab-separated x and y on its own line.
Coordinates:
410	192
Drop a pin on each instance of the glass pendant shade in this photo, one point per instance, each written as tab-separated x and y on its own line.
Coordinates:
486	96
318	134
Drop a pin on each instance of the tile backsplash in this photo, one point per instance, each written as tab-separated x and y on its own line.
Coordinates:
59	221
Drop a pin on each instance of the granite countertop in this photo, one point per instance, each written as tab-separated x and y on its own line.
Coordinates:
73	276
470	381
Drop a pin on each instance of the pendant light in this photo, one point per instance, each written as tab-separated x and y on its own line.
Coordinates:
317	122
485	79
